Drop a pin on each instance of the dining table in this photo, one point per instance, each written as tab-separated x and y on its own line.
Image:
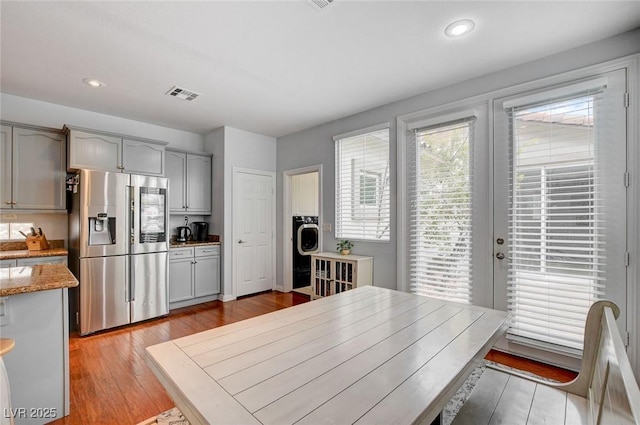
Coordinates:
370	355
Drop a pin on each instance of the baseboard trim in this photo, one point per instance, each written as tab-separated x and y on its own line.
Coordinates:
226	297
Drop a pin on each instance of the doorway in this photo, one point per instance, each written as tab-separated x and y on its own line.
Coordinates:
302	190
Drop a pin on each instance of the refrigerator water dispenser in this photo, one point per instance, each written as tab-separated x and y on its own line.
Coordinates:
102	230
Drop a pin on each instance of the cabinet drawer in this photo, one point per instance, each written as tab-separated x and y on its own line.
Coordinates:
177	253
4	264
42	260
207	251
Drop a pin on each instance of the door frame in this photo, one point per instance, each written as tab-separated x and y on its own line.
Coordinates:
234	203
287	211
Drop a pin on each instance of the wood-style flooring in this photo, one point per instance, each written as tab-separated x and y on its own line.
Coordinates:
111	383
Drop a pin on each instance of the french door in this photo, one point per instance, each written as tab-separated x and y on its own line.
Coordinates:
560	225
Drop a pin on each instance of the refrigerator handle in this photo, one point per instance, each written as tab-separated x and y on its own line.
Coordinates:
132	279
130	223
131	196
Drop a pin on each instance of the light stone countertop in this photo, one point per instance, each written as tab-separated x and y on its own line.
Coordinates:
190	244
21	280
24	253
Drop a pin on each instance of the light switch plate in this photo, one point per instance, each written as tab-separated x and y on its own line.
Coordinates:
9	216
326	227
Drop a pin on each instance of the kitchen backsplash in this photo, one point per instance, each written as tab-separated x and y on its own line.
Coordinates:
55	226
178	220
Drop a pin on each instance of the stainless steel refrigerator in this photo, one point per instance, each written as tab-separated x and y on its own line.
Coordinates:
118	243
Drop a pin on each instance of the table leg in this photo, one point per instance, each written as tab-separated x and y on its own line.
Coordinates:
437	420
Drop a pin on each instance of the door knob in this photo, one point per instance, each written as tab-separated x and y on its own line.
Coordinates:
500	256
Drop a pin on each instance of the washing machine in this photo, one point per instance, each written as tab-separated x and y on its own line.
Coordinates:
306	235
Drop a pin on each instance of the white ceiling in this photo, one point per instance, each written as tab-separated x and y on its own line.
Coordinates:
276	67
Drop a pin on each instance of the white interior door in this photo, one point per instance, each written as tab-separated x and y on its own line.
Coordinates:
253	231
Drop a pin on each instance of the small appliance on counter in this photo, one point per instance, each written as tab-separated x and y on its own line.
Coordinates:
184	233
200	231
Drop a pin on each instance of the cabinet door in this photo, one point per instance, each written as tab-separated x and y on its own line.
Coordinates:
38	366
199	184
94	152
207	276
42	260
176	172
322	277
345	275
6	164
142	157
5	264
305	194
180	279
38	170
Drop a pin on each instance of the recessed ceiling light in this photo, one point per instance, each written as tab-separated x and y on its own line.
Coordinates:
458	28
93	82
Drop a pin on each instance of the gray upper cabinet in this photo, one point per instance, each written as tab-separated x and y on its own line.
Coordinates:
199	184
33	169
190	182
6	143
143	157
91	150
177	173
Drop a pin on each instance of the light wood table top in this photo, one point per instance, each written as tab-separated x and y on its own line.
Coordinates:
370	355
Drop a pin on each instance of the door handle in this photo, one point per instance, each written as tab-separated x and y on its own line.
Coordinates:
241	241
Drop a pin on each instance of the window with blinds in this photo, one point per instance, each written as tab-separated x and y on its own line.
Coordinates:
556	228
362	185
441	208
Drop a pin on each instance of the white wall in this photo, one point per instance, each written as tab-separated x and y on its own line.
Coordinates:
315	145
35	112
238	148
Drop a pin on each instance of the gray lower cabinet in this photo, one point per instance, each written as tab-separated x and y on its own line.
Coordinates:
38	366
58	259
5	264
42	260
194	275
207	271
180	274
93	150
33	169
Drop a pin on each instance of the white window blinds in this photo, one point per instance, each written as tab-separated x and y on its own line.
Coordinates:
440	179
557	251
362	185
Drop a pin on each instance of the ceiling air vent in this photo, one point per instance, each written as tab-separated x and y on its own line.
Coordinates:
320	4
183	94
